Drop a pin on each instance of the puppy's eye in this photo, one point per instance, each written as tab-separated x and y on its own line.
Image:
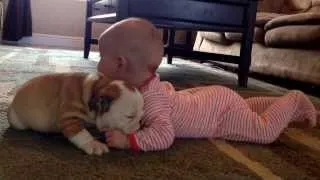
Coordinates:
105	102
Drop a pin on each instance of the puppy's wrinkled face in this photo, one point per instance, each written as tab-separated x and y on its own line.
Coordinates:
118	105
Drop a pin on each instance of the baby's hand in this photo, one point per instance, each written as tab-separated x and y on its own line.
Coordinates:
116	139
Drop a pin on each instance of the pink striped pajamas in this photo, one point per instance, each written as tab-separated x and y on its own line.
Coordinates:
214	111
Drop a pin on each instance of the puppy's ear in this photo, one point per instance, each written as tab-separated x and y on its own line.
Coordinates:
129	86
101	82
100	75
93	103
95	100
103	95
100	104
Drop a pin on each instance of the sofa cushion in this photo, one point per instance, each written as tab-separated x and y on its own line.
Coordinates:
297	64
263	17
233	36
273	6
215	37
315	3
315	9
295	19
307	36
296	6
258	35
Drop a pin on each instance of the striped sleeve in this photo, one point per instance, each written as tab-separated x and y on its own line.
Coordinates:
158	132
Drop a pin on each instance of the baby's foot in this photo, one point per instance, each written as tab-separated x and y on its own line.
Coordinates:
307	113
168	86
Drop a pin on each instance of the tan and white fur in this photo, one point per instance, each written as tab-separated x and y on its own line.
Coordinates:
62	102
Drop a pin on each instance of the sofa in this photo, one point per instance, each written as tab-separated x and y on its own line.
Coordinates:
286	40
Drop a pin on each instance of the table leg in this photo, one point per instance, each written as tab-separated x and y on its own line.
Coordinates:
87	40
189	44
88	31
172	33
165	40
165	36
246	45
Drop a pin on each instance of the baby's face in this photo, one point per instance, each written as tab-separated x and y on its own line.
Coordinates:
107	66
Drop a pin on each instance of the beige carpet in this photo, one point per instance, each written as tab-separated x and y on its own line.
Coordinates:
31	155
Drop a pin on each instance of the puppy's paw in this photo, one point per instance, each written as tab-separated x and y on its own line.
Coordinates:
95	147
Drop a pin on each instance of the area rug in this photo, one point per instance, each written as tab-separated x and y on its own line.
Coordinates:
31	155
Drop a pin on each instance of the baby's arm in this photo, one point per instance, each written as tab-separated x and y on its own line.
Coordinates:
158	132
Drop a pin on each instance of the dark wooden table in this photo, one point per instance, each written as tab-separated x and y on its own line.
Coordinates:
199	15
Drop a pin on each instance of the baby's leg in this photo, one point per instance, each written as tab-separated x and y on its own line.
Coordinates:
260	104
242	124
195	89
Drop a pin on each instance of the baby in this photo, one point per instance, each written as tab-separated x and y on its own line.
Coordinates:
132	50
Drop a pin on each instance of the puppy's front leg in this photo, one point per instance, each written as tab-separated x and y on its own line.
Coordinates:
72	113
80	137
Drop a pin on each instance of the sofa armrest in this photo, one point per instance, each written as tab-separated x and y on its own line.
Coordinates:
295	36
217	37
258	36
308	18
263	18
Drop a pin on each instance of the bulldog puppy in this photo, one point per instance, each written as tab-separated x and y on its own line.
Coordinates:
63	102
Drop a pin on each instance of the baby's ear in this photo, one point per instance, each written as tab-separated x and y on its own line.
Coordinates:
122	62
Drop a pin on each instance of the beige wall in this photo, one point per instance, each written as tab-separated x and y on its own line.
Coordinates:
61	17
65	18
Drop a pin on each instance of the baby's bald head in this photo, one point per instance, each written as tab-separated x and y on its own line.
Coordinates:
135	39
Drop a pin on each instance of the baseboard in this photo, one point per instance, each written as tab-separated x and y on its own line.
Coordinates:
57	41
